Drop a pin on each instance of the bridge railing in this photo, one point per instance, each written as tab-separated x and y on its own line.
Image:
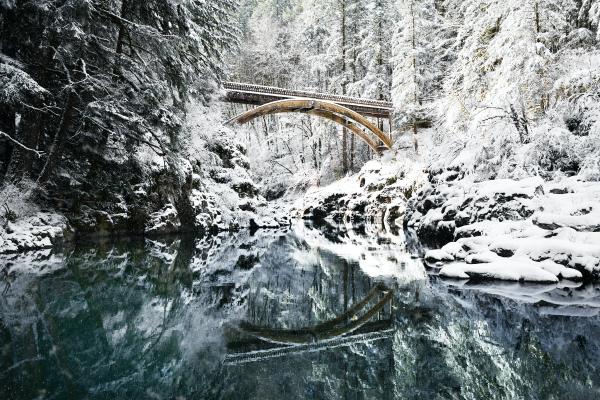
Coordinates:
271	90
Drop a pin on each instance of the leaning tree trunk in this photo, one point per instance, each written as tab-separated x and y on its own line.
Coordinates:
58	144
22	161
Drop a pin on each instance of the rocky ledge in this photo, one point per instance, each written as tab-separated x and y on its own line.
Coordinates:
376	195
38	231
516	230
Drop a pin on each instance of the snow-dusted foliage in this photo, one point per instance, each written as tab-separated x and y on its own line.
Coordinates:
512	86
17	87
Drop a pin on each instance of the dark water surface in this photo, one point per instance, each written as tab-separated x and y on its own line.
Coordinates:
285	315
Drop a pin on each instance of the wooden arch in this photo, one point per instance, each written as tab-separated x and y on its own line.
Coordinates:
324	109
346	323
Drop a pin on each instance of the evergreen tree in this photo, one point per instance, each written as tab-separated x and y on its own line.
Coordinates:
419	61
374	50
116	76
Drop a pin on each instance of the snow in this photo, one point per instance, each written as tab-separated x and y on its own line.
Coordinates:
164	220
512	269
37	231
378	253
18	87
586	222
542	227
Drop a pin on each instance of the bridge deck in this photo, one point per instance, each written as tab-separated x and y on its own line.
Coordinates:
328	344
244	93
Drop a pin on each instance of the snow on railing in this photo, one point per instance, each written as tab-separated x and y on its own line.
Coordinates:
259	89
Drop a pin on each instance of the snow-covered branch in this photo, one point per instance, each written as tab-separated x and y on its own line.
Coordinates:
38	153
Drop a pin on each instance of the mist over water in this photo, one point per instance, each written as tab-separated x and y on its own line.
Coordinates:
305	313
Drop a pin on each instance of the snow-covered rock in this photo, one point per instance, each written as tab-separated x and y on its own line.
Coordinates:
438	255
37	231
507	229
376	195
511	269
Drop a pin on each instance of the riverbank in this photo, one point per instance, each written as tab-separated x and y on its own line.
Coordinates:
210	189
46	230
530	229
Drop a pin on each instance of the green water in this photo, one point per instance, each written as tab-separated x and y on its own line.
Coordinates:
278	315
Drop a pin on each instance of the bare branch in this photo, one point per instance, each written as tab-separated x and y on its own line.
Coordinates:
281	165
38	153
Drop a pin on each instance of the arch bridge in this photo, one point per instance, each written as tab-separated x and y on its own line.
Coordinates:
350	112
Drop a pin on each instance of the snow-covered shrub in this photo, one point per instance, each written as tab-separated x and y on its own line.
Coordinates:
16	202
554	150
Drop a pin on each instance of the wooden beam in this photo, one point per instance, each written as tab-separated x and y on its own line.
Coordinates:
344	122
308	106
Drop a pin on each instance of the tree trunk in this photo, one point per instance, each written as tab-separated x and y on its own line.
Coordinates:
414	64
354	74
28	132
343	50
416	142
7	125
536	12
58	144
120	39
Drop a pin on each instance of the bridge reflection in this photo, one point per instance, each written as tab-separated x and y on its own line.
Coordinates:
367	320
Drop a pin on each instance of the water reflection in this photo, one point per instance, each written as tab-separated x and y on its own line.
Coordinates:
306	313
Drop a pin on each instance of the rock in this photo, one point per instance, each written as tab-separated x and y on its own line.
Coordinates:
503	249
247	262
462	218
589	222
516	269
438	255
163	221
38	231
245	189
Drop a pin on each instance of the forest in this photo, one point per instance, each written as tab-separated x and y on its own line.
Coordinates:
90	88
134	148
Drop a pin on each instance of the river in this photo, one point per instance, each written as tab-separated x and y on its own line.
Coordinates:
302	313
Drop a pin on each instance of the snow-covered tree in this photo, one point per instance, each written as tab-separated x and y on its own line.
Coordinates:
421	51
118	77
373	79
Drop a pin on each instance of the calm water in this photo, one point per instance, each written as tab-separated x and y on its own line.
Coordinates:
297	314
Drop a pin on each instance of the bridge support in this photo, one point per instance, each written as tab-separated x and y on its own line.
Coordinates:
324	109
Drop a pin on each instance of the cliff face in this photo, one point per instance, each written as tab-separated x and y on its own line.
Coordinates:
206	188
